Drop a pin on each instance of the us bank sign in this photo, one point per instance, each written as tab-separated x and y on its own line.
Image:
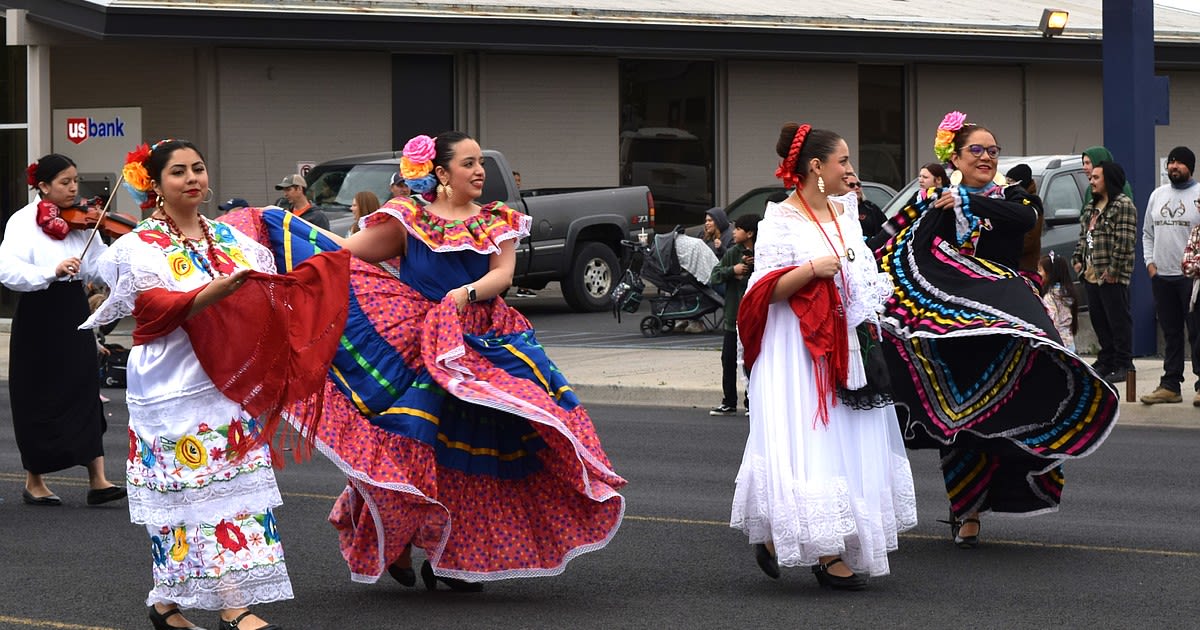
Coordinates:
80	129
98	138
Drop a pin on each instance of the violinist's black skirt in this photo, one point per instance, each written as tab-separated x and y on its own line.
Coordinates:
53	380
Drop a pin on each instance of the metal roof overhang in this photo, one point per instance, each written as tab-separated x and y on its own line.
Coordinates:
398	32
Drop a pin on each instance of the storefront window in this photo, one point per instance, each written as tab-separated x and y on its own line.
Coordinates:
881	126
13	145
667	135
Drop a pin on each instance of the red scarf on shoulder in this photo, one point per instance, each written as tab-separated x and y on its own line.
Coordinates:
822	324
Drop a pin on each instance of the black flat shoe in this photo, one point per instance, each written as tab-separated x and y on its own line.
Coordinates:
766	561
403	575
48	500
233	625
104	495
455	584
160	620
852	582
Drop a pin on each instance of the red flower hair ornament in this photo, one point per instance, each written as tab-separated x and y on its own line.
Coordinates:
31	174
787	168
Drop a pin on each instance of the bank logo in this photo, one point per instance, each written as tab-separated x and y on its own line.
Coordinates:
80	129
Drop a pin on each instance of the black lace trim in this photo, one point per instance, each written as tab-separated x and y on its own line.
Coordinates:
864	399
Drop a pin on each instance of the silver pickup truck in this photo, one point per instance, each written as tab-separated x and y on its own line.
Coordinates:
574	240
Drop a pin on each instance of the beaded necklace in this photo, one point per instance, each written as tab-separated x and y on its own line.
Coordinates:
206	261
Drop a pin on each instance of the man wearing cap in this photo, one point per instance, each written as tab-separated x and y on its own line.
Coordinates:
1171	213
233	204
399	187
293	187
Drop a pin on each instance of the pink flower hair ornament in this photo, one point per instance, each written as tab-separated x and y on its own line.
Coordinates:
416	165
943	144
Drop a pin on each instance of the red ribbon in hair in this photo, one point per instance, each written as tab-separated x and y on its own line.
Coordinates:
31	174
818	307
49	220
787	168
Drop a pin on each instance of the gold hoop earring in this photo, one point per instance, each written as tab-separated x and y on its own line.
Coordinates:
209	197
821	184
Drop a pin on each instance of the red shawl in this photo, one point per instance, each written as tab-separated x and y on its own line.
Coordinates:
822	324
267	345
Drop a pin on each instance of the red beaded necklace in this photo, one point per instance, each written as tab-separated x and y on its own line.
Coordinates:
849	252
207	264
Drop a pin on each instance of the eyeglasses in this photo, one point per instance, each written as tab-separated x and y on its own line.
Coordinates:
854	184
978	150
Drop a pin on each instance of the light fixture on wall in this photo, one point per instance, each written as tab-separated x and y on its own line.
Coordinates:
1053	22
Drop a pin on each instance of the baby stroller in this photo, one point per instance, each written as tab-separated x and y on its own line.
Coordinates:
682	295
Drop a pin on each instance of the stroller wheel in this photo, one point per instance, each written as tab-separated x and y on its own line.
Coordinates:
651	326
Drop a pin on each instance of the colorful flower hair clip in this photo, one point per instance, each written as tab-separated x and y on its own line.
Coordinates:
943	144
134	176
31	175
416	164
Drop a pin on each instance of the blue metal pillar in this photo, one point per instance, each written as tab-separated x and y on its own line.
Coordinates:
1133	97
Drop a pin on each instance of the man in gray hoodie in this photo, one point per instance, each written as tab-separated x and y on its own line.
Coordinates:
1172	212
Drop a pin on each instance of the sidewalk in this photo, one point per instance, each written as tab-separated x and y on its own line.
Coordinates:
692	378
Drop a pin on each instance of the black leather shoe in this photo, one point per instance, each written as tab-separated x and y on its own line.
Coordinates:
48	500
1118	375
963	542
403	575
104	495
766	561
160	620
461	586
233	625
852	582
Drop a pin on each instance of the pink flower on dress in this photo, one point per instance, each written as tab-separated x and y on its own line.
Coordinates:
953	121
420	149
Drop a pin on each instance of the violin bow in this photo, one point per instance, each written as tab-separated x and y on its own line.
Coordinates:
103	213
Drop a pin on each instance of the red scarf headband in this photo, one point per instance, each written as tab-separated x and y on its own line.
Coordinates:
787	168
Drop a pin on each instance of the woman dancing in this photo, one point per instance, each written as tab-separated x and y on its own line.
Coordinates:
824	480
455	431
978	368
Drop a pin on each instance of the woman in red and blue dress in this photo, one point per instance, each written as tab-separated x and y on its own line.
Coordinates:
978	369
455	431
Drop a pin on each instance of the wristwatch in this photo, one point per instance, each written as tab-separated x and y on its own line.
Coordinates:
470	293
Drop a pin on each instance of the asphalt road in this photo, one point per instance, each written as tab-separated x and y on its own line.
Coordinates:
1124	552
557	324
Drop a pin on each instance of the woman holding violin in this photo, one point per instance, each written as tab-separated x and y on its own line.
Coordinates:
53	385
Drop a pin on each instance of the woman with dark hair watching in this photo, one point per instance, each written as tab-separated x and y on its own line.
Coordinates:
455	431
932	175
58	420
962	315
824	480
1103	259
199	477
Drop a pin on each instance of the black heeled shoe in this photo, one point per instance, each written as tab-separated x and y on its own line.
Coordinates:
766	561
233	625
455	584
852	582
404	575
960	541
159	620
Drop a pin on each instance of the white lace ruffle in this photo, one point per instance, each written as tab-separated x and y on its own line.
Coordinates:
233	589
806	521
252	491
131	265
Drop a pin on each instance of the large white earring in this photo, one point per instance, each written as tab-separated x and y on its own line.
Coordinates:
821	184
955	178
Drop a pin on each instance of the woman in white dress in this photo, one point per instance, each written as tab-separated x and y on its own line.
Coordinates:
206	505
824	480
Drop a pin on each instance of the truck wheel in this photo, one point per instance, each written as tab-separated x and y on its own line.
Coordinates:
593	276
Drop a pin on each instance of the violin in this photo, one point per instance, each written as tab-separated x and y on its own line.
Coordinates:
86	215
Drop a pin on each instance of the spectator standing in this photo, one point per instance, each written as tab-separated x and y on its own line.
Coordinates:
293	187
399	187
718	233
1060	297
233	204
1104	260
1171	213
365	202
870	217
734	272
1031	248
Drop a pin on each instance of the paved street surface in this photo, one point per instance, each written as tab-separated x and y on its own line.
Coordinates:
1123	552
